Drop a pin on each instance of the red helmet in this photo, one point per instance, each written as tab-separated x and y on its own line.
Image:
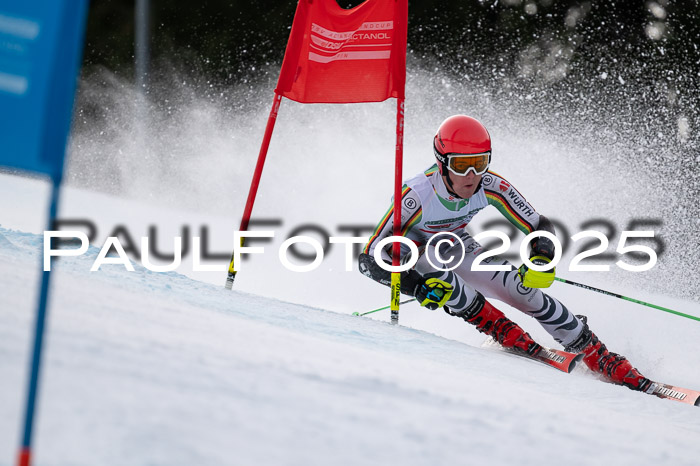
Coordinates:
461	134
461	145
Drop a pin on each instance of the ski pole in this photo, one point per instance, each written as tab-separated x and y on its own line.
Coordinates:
581	285
381	308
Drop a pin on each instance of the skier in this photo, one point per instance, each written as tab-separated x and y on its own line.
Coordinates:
444	199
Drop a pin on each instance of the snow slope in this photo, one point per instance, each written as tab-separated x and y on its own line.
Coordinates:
148	368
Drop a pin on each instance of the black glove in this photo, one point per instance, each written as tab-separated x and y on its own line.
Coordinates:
542	254
542	246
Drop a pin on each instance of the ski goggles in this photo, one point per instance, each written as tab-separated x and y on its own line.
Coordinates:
462	164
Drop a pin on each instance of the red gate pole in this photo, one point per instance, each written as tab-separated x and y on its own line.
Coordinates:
398	175
256	180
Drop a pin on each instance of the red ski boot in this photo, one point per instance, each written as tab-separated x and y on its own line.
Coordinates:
614	367
494	323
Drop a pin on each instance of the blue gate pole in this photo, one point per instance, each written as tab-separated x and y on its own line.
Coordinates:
24	458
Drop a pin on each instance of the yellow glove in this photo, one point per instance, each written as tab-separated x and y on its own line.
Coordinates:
533	278
433	293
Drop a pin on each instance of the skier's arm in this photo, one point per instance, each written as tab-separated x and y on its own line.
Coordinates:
519	212
409	279
510	203
411	212
541	253
523	216
542	246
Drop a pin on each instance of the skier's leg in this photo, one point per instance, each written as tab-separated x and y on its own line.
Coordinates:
612	366
470	305
565	327
506	286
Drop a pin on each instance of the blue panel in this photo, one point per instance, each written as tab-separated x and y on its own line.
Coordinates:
41	43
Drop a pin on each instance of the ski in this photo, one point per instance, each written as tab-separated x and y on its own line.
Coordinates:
566	362
557	359
670	392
